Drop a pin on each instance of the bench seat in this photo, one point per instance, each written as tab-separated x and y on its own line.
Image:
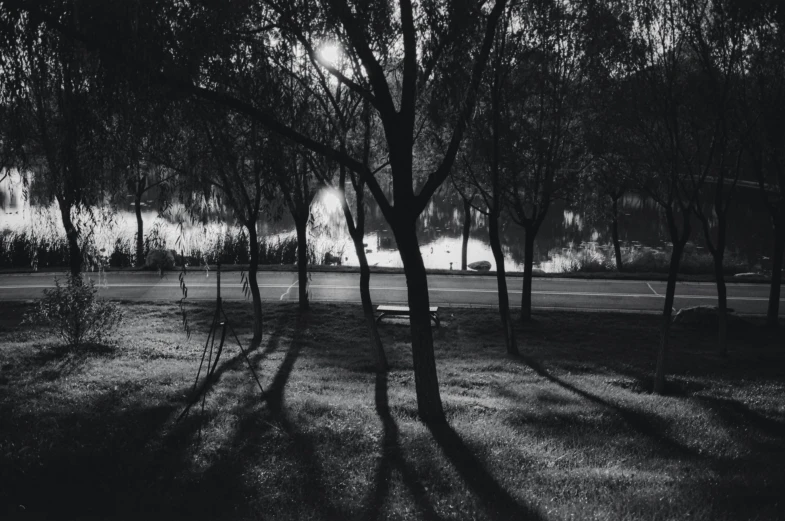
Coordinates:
403	311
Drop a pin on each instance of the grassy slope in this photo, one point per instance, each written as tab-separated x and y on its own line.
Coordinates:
565	431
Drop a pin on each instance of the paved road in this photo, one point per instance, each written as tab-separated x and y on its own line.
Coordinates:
444	290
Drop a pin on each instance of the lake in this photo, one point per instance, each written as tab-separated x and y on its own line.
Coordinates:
566	235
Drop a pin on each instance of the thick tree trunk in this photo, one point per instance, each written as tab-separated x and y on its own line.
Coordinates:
253	283
72	235
772	315
429	403
467	225
615	234
528	266
377	350
302	261
501	282
667	313
722	305
139	232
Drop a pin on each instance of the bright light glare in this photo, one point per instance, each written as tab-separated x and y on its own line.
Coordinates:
330	201
330	54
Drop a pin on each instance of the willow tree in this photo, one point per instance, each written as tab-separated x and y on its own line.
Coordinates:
137	137
357	135
11	140
239	161
50	86
383	45
481	168
764	106
718	33
679	134
546	90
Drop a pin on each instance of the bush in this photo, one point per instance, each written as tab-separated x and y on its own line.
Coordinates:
647	260
20	250
122	256
590	260
73	313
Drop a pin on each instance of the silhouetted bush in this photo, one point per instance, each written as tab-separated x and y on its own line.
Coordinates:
72	312
19	250
123	255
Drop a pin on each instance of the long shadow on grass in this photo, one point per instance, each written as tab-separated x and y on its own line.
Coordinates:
109	455
737	416
302	446
105	461
65	360
640	422
236	362
481	482
392	458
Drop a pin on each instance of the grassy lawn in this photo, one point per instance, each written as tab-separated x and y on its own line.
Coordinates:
568	431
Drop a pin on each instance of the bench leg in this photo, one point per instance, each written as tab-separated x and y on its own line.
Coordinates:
379	318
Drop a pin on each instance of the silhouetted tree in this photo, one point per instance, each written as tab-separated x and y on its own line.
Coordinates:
764	106
717	32
676	148
544	153
481	166
242	162
50	85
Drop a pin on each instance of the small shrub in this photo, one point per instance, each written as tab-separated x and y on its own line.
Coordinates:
122	256
72	312
647	260
582	261
155	239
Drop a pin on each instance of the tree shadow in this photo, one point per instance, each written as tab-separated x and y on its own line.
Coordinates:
735	415
108	460
65	360
302	446
233	363
499	503
639	422
392	458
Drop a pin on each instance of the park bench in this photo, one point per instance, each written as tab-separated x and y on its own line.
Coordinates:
403	311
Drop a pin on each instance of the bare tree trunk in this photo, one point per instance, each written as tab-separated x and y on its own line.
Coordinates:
722	305
667	313
377	350
615	234
253	283
528	266
140	260
429	403
72	235
467	224
501	282
772	314
302	261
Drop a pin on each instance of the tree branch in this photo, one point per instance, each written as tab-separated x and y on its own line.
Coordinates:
437	178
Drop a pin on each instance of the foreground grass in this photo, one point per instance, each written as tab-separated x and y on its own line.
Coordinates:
567	431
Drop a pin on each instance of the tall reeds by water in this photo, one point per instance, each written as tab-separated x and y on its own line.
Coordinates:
596	258
29	251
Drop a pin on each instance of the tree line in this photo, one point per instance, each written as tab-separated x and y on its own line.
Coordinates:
511	104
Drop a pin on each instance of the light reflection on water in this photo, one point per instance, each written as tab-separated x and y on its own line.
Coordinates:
565	236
